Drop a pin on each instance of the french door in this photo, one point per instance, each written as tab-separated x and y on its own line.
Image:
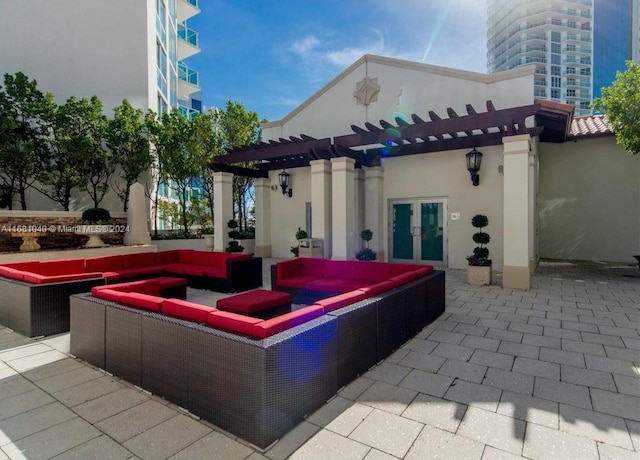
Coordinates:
418	231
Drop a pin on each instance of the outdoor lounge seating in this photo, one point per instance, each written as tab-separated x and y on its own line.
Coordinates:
253	377
35	300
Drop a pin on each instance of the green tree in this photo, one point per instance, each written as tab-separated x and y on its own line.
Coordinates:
128	139
21	133
621	104
74	132
240	127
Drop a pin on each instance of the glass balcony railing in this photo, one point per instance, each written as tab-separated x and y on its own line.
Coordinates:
187	75
187	112
188	35
192	2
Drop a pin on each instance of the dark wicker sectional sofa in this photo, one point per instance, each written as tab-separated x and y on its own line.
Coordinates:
34	296
256	388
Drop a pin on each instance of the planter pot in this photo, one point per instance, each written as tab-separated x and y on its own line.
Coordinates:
94	232
208	241
248	245
479	276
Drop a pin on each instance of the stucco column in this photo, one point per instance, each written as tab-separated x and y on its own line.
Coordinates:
518	219
373	207
343	215
321	203
263	217
222	208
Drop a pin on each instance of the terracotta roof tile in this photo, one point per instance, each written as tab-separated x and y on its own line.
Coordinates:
590	125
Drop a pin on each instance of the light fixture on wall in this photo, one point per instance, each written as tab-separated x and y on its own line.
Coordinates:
285	183
474	160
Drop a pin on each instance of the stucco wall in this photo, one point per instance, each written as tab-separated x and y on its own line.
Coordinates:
589	207
407	88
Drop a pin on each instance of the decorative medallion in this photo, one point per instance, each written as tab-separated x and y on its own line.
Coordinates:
366	91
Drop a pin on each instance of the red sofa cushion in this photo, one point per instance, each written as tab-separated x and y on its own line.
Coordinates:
62	267
372	271
185	256
342	300
253	301
168	257
103	264
167	282
186	310
353	284
312	267
288	268
144	301
399	269
404	278
218	259
340	269
296	282
142	259
150	287
107	294
324	285
378	288
201	258
215	272
32	266
193	270
12	273
128	273
281	323
233	322
44	279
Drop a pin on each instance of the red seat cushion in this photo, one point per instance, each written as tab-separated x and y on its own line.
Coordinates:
62	267
253	301
233	322
324	285
342	300
352	285
186	310
144	301
194	270
141	271
12	273
287	321
215	272
185	255
33	266
167	282
143	259
176	268
103	264
151	287
404	278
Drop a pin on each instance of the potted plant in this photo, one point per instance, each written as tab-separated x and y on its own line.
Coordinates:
234	246
300	234
479	270
94	223
248	238
366	253
207	233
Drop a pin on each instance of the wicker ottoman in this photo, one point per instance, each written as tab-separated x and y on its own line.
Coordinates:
258	303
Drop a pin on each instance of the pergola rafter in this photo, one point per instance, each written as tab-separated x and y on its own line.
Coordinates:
368	144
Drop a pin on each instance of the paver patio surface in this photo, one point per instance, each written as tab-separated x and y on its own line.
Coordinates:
550	373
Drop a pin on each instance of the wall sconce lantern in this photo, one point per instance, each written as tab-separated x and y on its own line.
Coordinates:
474	160
285	183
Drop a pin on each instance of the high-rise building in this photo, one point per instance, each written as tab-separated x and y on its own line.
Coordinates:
576	45
114	49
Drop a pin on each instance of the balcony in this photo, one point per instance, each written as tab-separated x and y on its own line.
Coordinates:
186	9
187	42
187	112
188	80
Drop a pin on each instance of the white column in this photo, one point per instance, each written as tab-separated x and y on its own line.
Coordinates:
321	203
222	208
263	217
518	220
360	206
374	206
138	232
343	215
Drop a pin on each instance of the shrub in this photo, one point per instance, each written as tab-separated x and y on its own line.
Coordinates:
94	216
480	255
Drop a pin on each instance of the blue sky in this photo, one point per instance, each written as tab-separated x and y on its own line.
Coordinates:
272	55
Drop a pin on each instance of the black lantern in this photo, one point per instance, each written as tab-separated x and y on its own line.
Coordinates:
285	183
474	160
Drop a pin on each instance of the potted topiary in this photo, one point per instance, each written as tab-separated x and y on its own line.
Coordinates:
234	246
479	270
94	223
366	253
248	238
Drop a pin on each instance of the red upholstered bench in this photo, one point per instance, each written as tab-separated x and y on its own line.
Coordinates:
259	303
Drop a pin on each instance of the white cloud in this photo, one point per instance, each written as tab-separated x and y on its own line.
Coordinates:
305	46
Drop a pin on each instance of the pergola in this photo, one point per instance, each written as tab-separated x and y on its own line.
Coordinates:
369	144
